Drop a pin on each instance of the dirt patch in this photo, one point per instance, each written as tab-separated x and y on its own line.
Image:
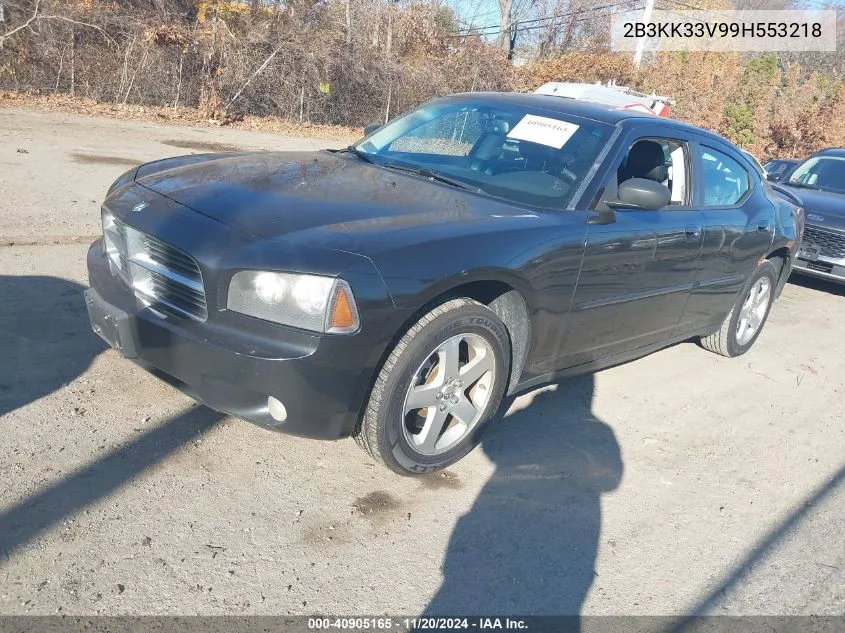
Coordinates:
203	146
441	480
100	159
375	502
174	116
47	241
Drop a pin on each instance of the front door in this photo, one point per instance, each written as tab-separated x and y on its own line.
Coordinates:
639	265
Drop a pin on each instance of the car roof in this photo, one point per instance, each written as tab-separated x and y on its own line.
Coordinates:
831	151
585	109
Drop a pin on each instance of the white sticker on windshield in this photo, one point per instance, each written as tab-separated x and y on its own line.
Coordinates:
543	130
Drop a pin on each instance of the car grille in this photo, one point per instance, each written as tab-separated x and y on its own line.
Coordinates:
831	244
163	277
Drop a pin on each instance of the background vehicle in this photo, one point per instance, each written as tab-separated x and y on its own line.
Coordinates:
610	95
395	291
819	182
779	168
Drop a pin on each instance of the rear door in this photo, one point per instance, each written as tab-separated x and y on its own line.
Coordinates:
639	265
739	225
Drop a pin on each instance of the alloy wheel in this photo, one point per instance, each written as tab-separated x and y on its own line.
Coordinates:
753	310
449	394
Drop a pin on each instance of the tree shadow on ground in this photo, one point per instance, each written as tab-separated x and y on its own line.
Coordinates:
528	545
45	343
45	339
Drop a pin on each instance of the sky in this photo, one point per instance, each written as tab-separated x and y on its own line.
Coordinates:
481	13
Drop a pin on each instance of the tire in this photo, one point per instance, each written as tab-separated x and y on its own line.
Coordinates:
730	340
460	341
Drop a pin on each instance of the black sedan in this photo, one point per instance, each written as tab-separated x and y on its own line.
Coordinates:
818	184
396	291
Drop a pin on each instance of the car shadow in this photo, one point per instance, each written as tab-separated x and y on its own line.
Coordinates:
528	545
45	338
815	283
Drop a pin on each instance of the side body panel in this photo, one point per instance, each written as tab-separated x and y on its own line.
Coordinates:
538	255
639	267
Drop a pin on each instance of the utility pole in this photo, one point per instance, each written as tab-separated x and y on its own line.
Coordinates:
512	40
638	55
506	20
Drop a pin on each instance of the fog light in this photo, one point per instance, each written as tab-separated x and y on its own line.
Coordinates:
277	409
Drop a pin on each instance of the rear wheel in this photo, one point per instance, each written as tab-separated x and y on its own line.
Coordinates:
438	389
743	325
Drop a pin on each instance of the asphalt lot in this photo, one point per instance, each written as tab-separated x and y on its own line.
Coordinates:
683	482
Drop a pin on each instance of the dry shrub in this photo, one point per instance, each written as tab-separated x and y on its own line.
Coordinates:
580	66
353	62
698	81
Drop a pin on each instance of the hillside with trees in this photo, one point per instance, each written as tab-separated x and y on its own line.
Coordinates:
352	62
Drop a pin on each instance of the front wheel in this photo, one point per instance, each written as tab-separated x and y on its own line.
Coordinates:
745	322
437	390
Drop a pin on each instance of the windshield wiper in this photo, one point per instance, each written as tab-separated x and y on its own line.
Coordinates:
431	175
801	185
351	149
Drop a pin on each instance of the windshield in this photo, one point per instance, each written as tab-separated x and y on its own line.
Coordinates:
522	154
820	172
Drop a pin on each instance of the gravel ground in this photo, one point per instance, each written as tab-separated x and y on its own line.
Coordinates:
680	483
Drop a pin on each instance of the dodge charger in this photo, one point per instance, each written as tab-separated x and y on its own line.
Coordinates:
398	290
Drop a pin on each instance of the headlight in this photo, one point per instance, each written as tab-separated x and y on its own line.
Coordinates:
311	302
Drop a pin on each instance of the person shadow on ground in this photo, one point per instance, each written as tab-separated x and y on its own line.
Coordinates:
528	546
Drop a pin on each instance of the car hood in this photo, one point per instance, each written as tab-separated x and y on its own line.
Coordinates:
824	209
317	197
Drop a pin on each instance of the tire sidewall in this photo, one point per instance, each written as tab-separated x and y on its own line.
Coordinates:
766	269
464	320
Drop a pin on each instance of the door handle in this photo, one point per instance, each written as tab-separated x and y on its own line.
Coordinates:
763	226
692	231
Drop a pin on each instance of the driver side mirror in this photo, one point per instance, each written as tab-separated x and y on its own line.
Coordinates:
774	177
641	193
369	129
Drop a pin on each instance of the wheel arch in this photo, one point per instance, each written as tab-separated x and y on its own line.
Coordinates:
784	255
505	294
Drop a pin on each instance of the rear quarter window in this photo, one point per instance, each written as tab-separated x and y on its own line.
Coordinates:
725	181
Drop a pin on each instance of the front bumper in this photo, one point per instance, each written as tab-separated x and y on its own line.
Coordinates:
820	269
821	254
321	381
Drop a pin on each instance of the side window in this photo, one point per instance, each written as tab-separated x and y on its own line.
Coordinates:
453	134
725	180
660	159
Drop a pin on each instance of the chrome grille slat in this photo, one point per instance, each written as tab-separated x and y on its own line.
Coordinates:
166	289
143	259
831	244
161	275
169	257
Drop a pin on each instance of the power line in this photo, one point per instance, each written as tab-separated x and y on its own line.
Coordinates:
559	15
826	6
527	29
497	28
721	13
548	18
